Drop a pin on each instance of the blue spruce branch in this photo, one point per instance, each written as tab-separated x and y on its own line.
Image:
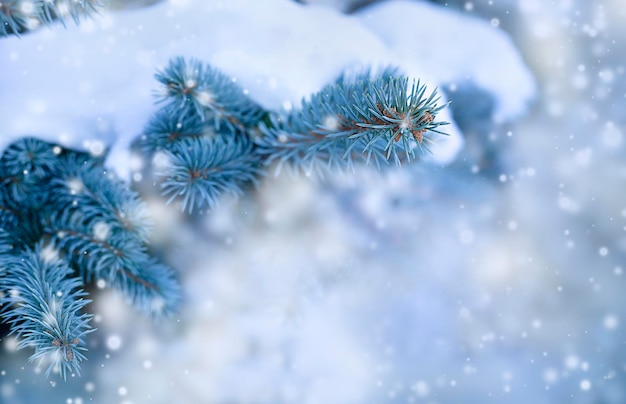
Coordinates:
207	139
20	16
196	160
94	228
198	171
169	126
209	92
103	228
42	303
213	138
369	119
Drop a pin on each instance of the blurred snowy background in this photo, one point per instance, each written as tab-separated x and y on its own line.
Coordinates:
491	272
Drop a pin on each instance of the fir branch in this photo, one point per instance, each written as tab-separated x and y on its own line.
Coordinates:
30	156
20	16
167	127
25	167
197	171
100	197
87	245
103	228
193	161
209	92
42	304
368	119
208	139
121	261
23	188
361	117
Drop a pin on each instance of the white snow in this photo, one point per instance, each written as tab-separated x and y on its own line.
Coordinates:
367	314
450	47
92	84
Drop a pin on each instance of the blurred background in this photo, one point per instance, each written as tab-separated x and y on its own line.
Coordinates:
495	278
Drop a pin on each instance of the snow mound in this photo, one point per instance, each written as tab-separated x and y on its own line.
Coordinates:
450	47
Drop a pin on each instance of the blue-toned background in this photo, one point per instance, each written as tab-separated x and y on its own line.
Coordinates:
493	272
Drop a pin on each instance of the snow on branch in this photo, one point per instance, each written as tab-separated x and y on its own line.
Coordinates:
66	220
211	138
368	118
93	227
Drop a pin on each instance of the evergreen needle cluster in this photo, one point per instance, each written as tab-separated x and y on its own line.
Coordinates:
210	137
66	221
20	16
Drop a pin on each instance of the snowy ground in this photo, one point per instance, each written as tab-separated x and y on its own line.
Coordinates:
497	277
